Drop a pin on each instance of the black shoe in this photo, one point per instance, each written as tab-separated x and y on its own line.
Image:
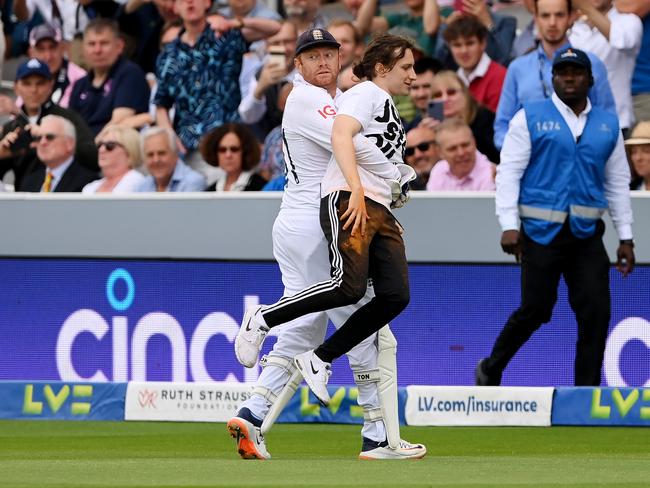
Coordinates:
482	378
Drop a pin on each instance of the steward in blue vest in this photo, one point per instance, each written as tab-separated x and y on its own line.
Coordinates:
564	178
562	166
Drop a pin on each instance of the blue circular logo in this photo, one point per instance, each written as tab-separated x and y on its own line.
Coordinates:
127	301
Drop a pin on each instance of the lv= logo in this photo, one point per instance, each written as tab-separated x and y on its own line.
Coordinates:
56	400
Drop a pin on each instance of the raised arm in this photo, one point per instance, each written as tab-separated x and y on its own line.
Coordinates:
256	28
638	7
252	28
367	22
431	17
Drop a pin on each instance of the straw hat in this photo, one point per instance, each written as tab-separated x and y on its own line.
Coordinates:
640	134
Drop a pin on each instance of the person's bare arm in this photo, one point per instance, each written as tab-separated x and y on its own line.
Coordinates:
343	131
163	120
252	28
599	20
366	20
133	5
138	121
120	114
256	28
638	7
21	11
431	17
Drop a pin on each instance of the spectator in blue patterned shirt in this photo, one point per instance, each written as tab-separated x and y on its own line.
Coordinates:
198	73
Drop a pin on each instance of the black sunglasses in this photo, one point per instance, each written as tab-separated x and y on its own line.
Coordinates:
423	146
109	145
47	137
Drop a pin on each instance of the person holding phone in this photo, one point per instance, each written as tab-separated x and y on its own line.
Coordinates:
259	106
34	84
458	103
421	90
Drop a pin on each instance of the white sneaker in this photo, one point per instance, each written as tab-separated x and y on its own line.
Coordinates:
250	441
316	373
250	337
380	450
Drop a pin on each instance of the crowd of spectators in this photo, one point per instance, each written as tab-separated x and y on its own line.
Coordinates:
187	95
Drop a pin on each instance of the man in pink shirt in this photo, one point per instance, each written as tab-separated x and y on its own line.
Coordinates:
462	167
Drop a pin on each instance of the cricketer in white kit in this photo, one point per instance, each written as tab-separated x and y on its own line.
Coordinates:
300	248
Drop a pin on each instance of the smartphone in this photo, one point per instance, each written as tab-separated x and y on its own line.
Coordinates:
458	6
435	110
277	56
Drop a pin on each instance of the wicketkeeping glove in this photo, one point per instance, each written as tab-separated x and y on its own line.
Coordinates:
400	190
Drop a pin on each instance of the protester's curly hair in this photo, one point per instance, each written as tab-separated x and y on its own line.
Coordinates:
385	50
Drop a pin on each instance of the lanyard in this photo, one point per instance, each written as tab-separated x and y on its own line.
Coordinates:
547	91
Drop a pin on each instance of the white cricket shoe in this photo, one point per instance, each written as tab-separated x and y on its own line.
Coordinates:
250	441
250	337
316	373
380	450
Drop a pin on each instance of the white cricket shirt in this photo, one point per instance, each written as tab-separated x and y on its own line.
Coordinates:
381	124
307	144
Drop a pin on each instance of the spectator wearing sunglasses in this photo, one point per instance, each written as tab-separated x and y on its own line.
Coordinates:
421	154
34	84
462	168
167	172
55	139
234	149
459	104
118	147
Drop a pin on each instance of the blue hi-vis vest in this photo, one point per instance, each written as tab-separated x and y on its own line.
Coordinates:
565	178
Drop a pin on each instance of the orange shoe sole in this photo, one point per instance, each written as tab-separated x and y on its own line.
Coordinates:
245	446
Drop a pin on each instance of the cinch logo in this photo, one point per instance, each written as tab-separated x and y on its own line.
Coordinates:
630	329
56	400
129	351
308	409
623	404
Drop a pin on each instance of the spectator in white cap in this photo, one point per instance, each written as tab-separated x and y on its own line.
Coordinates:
45	43
638	146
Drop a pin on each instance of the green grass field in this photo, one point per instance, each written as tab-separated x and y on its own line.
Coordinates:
138	454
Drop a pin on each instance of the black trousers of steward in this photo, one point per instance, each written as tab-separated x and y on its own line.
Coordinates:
585	267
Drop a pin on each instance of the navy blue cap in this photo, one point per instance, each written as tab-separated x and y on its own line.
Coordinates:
315	38
572	55
33	67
